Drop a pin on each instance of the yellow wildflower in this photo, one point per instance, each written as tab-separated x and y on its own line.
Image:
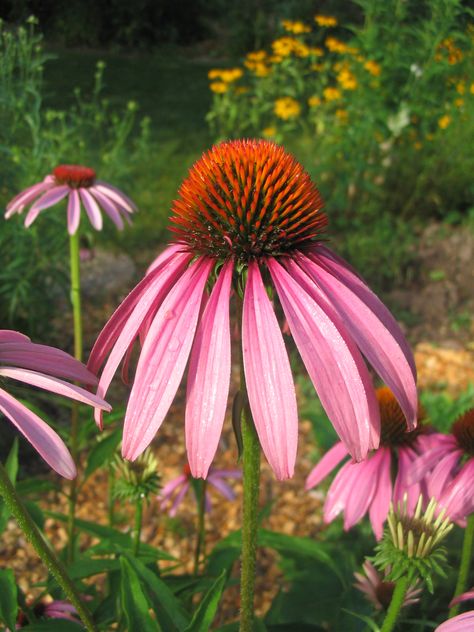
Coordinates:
286	46
373	67
460	87
269	132
214	73
297	28
316	51
325	20
471	89
261	70
331	94
335	45
455	54
241	90
256	55
347	80
444	121
342	115
227	75
459	103
314	101
219	87
287	108
275	59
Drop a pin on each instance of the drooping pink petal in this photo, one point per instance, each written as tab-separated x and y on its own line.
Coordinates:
372	336
458	495
115	195
209	377
442	473
462	623
329	461
8	335
92	208
163	359
460	598
55	385
109	207
364	489
25	197
268	377
333	362
178	499
430	458
169	252
170	487
339	490
73	212
406	458
50	198
380	504
224	488
43	438
342	271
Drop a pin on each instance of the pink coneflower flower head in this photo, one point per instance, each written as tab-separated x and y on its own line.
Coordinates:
174	491
462	622
379	591
248	217
56	609
448	468
46	368
79	185
367	486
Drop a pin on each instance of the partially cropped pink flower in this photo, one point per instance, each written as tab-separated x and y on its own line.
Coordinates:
248	218
448	468
46	368
379	591
174	492
367	486
463	597
79	185
56	609
462	623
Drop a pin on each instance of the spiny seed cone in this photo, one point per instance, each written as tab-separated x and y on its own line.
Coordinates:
247	199
393	423
463	430
75	176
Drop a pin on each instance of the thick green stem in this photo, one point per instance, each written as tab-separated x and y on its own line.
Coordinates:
466	557
47	555
77	317
396	604
138	526
201	531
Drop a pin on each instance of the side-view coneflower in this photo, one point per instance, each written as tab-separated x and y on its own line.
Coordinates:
370	486
79	185
46	368
462	622
379	591
248	218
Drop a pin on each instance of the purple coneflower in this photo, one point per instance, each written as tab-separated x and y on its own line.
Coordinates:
379	591
44	367
448	468
56	609
175	490
248	216
368	486
462	622
79	185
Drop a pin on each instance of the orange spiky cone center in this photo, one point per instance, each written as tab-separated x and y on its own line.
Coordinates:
247	199
463	430
393	423
76	176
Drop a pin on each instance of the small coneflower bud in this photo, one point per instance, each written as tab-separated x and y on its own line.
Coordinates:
137	480
412	544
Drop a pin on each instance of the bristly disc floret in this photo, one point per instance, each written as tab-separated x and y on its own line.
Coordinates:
247	199
463	430
76	176
393	423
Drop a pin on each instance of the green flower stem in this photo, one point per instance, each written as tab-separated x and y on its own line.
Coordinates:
45	552
201	533
466	557
396	604
138	526
77	317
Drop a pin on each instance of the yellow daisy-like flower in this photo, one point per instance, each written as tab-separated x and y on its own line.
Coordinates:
444	121
256	55
314	101
316	51
287	108
214	73
342	115
219	87
331	94
325	20
297	28
460	87
227	75
459	103
269	132
373	67
335	45
347	80
286	46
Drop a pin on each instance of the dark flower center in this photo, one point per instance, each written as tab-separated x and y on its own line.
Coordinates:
247	198
393	423
384	593
463	430
76	176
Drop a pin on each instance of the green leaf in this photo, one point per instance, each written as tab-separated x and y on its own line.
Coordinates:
11	466
87	567
35	512
8	598
367	620
204	615
135	605
172	615
54	625
103	452
35	486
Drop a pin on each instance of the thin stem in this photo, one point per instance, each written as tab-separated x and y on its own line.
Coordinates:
111	499
466	556
77	318
45	552
201	531
251	488
396	604
138	526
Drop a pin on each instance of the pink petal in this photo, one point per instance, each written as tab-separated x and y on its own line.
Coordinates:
460	598
221	486
179	498
372	335
25	197
115	195
458	496
43	438
268	376
364	488
73	212
443	473
340	488
406	458
8	335
54	385
332	361
209	377
50	198
169	488
462	623
169	252
329	461
425	463
92	208
163	359
109	207
380	504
